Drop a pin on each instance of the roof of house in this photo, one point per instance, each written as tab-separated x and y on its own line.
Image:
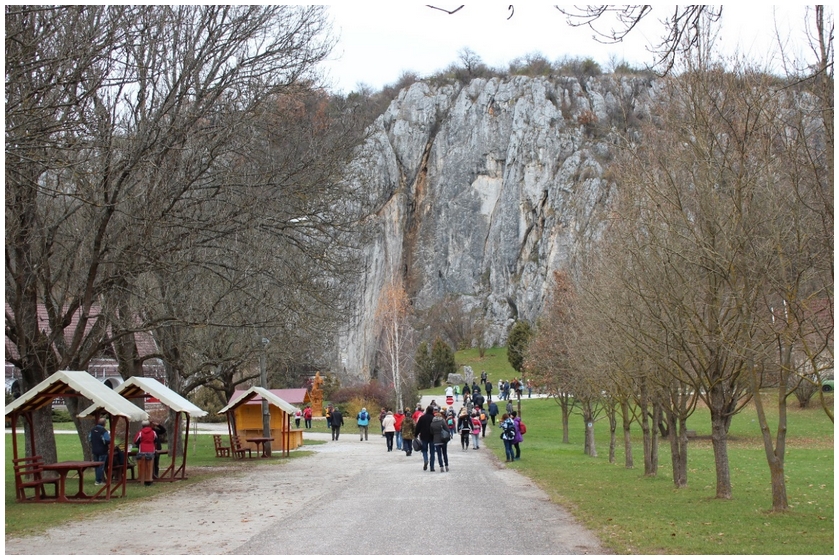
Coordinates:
256	394
146	344
76	383
292	396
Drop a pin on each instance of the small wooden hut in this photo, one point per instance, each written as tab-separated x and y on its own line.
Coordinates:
244	418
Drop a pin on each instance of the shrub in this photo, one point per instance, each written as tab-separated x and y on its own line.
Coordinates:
373	394
61	415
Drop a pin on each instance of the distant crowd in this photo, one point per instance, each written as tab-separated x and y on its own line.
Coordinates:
430	431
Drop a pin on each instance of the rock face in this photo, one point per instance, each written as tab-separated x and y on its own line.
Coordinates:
482	190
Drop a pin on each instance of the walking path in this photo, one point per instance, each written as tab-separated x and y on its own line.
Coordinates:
348	497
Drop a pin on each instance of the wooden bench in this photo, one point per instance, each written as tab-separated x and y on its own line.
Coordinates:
238	449
221	450
131	467
29	474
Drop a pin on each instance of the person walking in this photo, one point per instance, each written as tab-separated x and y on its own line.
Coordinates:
145	440
508	435
417	413
440	434
456	391
464	427
509	407
423	432
488	387
337	422
389	429
482	416
298	416
100	442
466	390
307	417
382	415
519	437
398	418
329	417
362	419
529	388
476	430
407	434
493	411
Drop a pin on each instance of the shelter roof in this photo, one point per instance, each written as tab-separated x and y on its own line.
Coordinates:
291	396
258	393
137	387
76	383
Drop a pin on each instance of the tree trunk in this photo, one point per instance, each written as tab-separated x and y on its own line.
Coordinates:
613	427
653	470
566	413
588	419
629	463
719	438
775	452
677	434
646	431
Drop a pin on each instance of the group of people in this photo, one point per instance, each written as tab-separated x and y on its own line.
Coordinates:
148	441
305	415
429	431
506	389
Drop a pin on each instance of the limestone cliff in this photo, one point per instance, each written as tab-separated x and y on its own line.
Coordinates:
482	190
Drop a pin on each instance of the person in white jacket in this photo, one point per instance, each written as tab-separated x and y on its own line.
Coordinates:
389	427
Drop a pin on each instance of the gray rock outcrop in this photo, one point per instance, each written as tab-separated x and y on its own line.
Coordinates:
482	190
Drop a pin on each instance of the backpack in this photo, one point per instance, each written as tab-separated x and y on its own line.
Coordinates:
509	431
363	416
522	428
483	416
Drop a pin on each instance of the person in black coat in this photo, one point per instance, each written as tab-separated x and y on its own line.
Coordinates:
337	421
493	411
160	430
423	431
488	387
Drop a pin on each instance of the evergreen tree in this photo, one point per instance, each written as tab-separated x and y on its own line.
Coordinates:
442	359
517	342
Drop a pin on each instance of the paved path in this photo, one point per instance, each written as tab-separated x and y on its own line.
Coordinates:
348	497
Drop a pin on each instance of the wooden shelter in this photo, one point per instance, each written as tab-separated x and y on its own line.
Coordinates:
66	384
244	418
141	387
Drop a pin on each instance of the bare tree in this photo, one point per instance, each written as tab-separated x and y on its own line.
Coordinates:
685	28
395	336
119	134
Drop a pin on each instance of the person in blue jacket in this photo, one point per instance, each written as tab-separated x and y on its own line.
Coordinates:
363	421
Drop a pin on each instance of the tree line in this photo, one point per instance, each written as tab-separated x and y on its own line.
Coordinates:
175	170
711	281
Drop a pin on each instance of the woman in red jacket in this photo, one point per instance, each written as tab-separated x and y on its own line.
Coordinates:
145	451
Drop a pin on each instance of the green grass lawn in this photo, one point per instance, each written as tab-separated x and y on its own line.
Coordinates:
637	515
633	514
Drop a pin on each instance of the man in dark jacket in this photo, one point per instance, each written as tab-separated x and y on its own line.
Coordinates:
493	411
423	431
488	387
100	441
337	422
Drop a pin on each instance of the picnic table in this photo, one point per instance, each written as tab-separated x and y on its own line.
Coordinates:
63	469
260	441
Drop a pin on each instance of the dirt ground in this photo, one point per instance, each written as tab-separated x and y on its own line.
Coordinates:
348	497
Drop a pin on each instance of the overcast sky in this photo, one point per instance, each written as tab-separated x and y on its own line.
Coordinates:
379	41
